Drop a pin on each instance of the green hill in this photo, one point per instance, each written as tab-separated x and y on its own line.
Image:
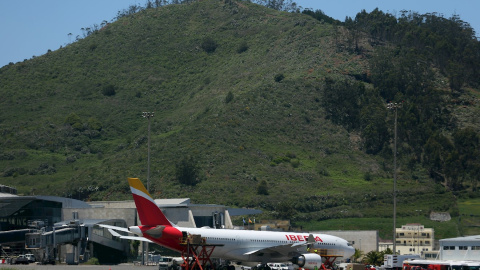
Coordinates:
254	107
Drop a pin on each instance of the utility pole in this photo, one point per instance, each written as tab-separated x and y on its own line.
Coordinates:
147	115
394	106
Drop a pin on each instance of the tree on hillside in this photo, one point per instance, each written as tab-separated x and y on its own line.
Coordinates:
187	171
283	5
374	127
320	16
208	45
74	121
467	143
448	44
438	150
342	102
262	188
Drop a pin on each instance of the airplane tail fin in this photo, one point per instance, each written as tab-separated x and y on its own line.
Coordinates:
148	211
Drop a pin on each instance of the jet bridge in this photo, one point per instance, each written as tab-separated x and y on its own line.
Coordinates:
78	239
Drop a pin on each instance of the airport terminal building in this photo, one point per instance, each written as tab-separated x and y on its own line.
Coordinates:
55	227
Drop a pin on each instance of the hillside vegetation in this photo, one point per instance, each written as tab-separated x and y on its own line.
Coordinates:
254	107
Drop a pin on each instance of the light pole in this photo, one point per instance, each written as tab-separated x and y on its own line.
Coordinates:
147	115
394	106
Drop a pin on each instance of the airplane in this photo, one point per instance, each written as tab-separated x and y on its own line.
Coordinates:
245	246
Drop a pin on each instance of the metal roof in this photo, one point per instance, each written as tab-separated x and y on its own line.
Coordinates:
464	238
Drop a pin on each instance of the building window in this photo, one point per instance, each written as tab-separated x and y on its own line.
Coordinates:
463	248
475	247
448	247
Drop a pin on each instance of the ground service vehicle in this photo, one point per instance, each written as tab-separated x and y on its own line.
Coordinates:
395	262
169	263
440	265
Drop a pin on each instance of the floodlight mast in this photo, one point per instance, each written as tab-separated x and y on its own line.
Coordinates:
394	106
147	115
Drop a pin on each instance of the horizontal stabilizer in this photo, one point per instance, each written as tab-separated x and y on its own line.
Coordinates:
114	233
122	229
113	229
138	238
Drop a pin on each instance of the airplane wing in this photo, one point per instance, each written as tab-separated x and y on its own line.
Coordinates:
113	229
288	250
279	251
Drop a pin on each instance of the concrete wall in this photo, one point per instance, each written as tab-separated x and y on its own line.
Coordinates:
127	214
365	241
180	216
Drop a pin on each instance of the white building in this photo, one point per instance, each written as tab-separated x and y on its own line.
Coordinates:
414	239
411	239
460	248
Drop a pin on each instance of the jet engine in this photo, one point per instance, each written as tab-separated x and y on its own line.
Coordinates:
308	261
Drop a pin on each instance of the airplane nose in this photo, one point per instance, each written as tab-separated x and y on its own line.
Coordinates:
351	251
136	230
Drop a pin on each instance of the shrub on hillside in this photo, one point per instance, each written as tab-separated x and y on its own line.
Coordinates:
262	188
242	47
94	124
229	97
209	45
187	171
295	163
108	90
279	77
74	121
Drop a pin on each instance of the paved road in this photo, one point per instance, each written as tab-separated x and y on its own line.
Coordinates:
82	267
78	267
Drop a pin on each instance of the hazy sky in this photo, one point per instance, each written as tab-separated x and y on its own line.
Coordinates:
32	27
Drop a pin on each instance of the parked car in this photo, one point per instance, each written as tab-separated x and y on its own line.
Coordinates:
169	263
278	266
30	257
21	259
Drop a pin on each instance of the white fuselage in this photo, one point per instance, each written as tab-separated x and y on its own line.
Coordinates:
240	245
